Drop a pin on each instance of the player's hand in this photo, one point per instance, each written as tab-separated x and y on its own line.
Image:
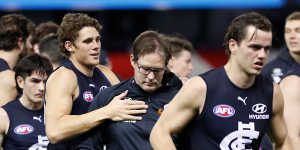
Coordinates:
124	109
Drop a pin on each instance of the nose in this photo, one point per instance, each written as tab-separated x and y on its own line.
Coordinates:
292	35
41	86
96	45
263	53
151	75
191	66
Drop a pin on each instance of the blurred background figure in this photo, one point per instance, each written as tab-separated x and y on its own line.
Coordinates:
290	55
49	48
104	59
42	31
14	31
181	56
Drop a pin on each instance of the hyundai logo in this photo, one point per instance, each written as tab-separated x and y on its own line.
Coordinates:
259	108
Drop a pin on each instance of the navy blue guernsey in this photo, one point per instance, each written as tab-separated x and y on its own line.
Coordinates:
232	118
3	65
88	88
26	128
294	71
129	134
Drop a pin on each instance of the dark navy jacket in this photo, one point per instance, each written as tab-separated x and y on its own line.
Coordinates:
231	116
26	128
131	135
88	89
277	68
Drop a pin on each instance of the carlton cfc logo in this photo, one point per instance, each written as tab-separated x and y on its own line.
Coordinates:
23	129
223	111
88	96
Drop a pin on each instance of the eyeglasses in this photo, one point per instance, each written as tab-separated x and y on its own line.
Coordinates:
146	70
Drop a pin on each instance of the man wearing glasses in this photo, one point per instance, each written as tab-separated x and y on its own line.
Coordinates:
151	83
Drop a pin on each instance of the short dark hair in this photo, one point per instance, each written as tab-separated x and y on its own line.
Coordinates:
237	30
177	44
12	27
43	30
49	45
148	42
29	65
70	26
293	16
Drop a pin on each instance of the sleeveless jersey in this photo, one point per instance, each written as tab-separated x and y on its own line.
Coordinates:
232	118
26	128
294	71
3	65
88	88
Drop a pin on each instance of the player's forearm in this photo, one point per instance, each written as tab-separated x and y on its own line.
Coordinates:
161	140
71	125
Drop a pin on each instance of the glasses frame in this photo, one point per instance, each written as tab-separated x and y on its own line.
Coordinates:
147	70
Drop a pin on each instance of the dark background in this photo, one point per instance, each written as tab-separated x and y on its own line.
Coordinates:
204	27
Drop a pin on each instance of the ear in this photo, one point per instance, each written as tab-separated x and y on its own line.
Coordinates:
20	43
131	60
171	63
69	46
36	48
20	82
233	46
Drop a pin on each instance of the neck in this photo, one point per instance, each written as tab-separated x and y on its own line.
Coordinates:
30	105
295	56
238	76
11	57
85	69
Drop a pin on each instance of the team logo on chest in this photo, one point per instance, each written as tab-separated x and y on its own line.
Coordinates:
88	96
224	111
24	129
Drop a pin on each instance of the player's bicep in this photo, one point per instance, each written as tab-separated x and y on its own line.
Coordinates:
59	91
185	105
4	123
278	126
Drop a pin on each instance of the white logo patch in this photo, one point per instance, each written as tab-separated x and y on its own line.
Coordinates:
259	108
243	100
238	139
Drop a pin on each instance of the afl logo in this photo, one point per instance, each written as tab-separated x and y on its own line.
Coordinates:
23	129
259	108
88	96
224	111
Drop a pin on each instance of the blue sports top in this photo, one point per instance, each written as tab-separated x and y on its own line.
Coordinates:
3	65
26	128
88	88
232	118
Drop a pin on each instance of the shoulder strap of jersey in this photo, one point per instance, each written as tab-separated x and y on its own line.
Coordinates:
113	79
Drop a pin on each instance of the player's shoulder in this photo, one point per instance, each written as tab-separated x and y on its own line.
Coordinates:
62	75
7	78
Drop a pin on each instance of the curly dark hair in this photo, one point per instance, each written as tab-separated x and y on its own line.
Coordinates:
13	27
70	26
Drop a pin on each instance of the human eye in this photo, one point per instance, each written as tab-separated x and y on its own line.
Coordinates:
287	30
87	41
255	47
35	80
298	30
